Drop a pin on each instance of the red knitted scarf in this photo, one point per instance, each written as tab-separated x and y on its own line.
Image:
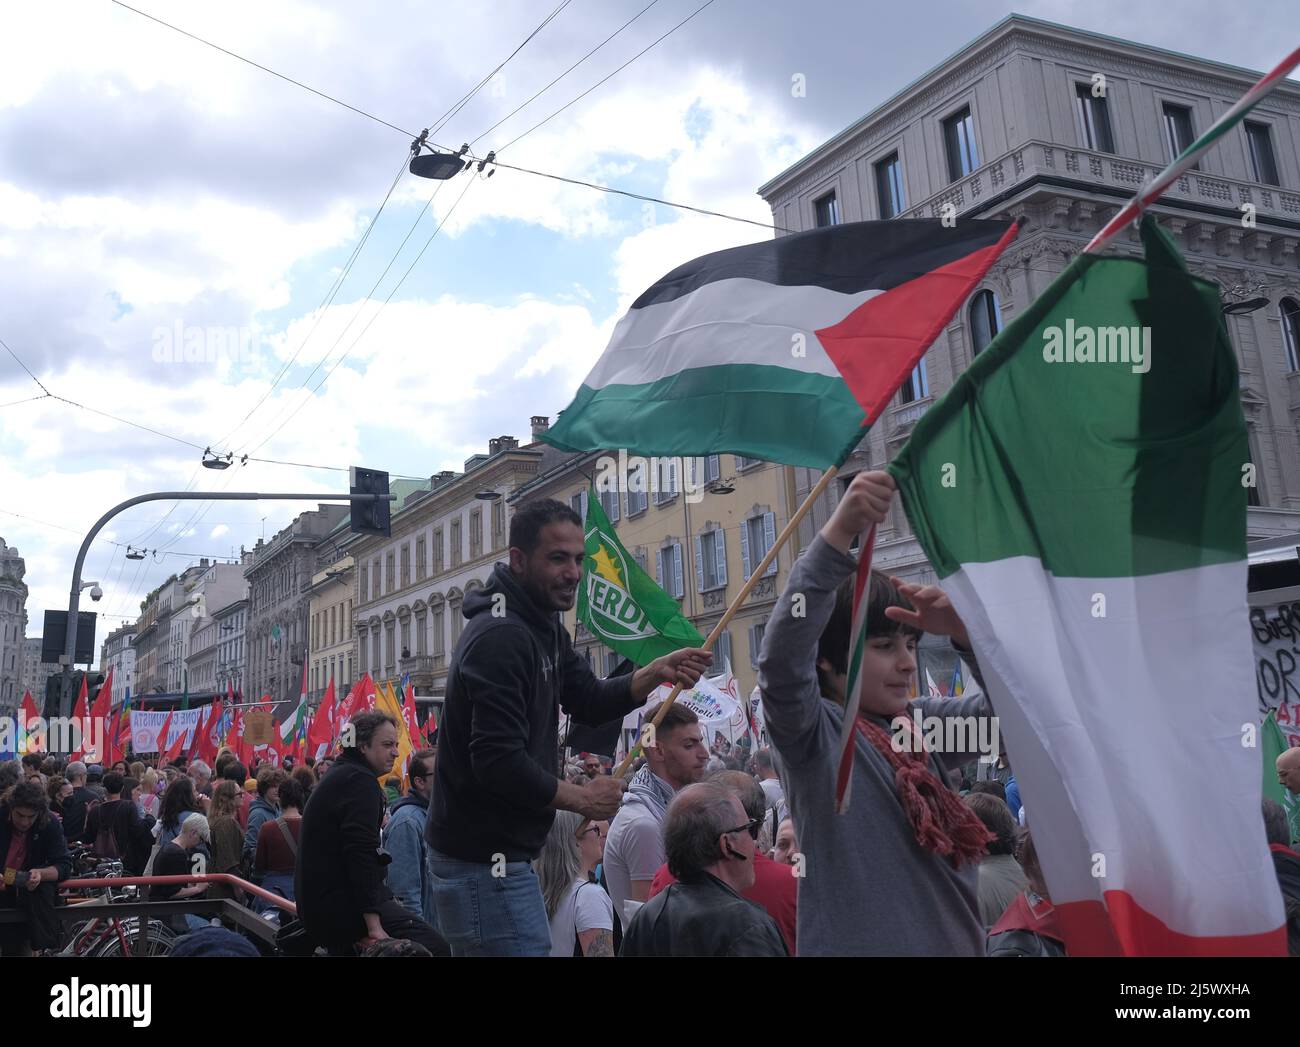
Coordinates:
941	822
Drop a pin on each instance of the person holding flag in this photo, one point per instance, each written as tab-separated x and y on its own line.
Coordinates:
496	778
896	874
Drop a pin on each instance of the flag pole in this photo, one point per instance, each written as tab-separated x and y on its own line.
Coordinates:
1131	211
755	577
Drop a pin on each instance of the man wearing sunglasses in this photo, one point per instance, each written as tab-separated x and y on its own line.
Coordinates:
711	843
408	874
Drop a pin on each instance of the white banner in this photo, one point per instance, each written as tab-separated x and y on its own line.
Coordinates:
145	728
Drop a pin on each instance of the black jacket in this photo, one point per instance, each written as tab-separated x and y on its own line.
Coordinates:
46	845
340	869
703	917
131	831
74	812
498	756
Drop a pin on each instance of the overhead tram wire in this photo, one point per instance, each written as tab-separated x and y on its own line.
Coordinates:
459	105
512	167
326	302
455	108
27	369
571	68
396	288
593	87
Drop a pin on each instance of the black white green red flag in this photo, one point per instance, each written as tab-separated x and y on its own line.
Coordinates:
784	350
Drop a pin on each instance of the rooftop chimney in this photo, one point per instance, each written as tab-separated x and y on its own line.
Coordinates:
540	423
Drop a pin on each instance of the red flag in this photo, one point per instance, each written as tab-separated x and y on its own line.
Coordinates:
30	713
360	700
99	713
409	716
430	725
209	741
79	714
161	740
320	732
174	750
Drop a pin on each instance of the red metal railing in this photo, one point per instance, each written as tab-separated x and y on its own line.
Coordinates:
98	882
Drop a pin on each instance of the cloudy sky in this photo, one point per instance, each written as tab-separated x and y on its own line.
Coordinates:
154	192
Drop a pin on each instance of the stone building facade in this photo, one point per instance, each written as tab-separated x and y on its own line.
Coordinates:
13	627
1013	126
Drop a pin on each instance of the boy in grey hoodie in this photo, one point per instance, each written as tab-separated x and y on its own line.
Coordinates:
868	886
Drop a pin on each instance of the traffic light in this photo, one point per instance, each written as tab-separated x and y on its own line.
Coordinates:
370	516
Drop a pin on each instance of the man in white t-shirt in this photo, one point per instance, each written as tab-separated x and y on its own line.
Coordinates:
765	770
635	848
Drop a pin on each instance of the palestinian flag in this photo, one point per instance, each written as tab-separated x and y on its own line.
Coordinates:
1086	514
783	350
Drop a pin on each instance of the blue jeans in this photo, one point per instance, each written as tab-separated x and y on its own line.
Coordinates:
484	915
276	883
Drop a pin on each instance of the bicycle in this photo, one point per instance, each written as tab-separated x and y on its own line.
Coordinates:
114	936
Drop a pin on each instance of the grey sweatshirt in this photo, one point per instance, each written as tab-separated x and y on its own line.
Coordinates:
869	888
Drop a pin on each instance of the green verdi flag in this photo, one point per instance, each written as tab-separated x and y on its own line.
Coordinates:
620	603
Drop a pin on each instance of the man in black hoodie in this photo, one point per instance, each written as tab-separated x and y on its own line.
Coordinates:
497	776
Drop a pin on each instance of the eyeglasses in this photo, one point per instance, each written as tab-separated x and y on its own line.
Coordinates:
752	827
594	829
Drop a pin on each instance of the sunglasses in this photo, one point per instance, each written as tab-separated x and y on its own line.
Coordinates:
752	827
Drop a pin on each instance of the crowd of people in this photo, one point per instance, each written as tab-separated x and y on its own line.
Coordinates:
490	843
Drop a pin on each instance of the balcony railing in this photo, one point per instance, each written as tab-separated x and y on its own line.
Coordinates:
1038	159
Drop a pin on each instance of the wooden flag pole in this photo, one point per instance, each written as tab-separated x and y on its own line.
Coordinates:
754	578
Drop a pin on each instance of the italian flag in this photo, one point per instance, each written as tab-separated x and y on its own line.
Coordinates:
783	350
1087	517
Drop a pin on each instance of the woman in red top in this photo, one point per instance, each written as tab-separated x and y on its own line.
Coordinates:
277	843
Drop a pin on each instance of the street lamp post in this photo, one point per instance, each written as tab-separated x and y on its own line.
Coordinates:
74	594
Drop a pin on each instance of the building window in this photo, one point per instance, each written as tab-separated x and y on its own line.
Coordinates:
1179	133
826	210
985	320
743	463
498	524
668	570
375	579
420	562
375	663
710	560
406	637
476	534
439	641
1094	120
757	536
609	505
959	142
1290	310
889	186
755	642
917	386
666	481
1262	161
637	498
456	550
437	551
578	503
421	634
389	573
406	565
712	468
722	652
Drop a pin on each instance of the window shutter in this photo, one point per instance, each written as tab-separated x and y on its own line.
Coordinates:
583	511
699	565
659	568
678	581
720	553
744	549
672	476
769	539
712	467
613	513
